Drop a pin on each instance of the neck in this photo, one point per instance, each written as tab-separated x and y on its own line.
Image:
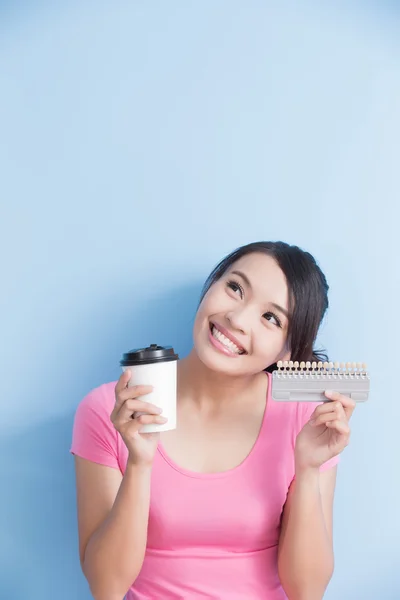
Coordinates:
205	387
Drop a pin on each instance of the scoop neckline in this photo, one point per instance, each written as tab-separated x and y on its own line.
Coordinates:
241	465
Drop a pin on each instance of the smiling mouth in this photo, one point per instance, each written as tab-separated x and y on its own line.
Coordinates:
226	342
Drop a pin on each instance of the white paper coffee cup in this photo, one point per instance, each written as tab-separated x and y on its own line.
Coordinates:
155	366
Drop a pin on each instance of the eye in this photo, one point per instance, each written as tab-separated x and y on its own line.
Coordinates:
235	287
273	318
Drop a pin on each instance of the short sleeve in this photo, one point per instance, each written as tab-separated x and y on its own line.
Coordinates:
305	411
94	436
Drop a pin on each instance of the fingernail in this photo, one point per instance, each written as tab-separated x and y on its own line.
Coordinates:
329	393
159	410
311	421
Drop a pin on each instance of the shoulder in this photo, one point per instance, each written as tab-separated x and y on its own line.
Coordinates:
99	400
295	414
285	414
292	415
288	418
94	436
94	410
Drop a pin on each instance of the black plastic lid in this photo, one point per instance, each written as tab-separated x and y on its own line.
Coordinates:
145	356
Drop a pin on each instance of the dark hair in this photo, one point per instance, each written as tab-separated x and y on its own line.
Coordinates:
308	293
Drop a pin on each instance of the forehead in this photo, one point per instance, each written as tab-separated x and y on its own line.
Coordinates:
266	277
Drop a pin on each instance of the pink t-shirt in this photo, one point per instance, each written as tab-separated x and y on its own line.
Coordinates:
210	536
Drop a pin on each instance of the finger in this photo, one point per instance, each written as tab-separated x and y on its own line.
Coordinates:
135	425
341	412
340	426
324	408
330	412
129	407
136	405
348	403
123	381
131	392
148	419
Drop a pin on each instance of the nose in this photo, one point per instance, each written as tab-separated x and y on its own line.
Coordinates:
237	320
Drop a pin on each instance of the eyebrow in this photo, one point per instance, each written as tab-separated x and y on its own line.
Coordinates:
247	282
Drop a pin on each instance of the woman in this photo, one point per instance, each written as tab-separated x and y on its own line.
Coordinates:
236	503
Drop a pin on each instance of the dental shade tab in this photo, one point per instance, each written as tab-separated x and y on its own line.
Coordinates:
308	381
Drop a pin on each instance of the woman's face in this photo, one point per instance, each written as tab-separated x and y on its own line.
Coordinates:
241	325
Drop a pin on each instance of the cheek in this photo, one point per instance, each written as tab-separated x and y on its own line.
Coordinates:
201	317
269	341
209	306
196	325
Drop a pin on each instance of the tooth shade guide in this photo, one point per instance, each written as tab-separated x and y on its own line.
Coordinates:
302	381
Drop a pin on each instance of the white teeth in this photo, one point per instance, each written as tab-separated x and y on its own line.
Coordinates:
225	341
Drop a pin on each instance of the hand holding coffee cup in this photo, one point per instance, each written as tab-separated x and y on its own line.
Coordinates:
155	366
130	414
145	400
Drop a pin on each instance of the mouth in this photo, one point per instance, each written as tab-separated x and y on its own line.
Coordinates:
230	345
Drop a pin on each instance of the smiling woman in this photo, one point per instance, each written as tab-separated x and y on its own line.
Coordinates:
236	502
307	300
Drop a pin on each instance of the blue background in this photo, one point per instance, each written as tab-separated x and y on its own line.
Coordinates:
139	143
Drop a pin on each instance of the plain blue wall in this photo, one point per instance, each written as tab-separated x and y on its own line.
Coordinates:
139	143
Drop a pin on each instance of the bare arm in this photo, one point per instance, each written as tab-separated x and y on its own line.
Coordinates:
112	519
113	510
305	557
